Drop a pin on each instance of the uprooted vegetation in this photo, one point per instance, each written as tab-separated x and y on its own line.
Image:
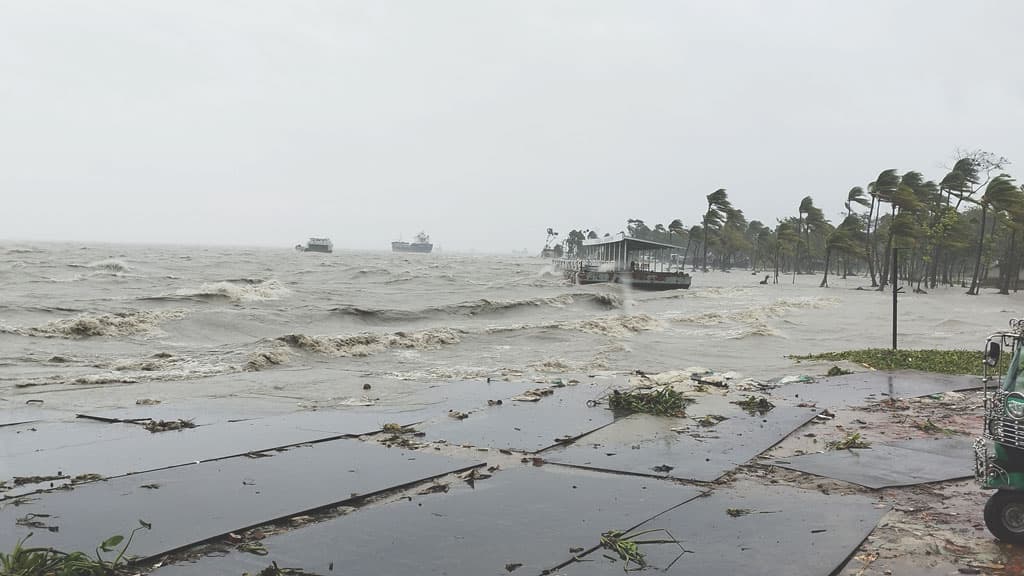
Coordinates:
627	547
396	435
942	361
755	404
165	425
23	561
851	441
659	402
274	570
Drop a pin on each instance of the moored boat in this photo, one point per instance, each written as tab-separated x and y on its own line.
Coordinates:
639	264
316	245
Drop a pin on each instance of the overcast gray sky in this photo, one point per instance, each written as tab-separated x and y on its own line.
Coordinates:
483	123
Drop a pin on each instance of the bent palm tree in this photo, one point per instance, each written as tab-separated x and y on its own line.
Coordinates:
718	205
675	227
856	195
1001	192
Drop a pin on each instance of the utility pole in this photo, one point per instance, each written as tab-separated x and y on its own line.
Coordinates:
895	294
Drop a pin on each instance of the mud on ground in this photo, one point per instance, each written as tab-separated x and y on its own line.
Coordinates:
933	529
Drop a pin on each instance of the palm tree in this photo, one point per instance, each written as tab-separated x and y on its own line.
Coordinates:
718	204
845	238
636	227
999	194
1010	260
695	232
731	237
815	220
660	229
752	237
766	244
856	195
785	235
883	189
675	227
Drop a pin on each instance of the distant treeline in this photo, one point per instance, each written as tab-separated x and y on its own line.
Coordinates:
966	229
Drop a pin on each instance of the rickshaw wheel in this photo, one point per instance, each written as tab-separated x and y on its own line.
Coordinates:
1004	516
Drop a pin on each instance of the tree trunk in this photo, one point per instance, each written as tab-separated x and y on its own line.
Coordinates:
828	259
1007	268
704	265
777	265
796	255
973	291
867	245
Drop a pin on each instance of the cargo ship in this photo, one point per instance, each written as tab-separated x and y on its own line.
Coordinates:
421	245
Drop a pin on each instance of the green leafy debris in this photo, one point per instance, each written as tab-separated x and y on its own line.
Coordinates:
24	561
662	402
755	404
165	425
627	547
853	440
941	361
837	371
710	420
932	428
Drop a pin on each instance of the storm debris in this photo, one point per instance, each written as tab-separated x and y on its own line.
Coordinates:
274	570
166	425
534	395
22	480
711	420
627	547
851	441
434	489
755	404
660	402
930	427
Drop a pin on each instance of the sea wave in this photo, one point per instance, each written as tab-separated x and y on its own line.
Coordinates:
367	344
236	290
621	325
111	265
484	306
618	325
757	313
444	373
116	324
157	368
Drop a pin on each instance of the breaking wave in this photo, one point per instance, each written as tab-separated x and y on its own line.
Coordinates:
484	306
264	359
616	325
157	368
760	313
237	290
367	344
117	324
756	329
110	265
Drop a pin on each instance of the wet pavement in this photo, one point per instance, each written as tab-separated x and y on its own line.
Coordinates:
479	483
